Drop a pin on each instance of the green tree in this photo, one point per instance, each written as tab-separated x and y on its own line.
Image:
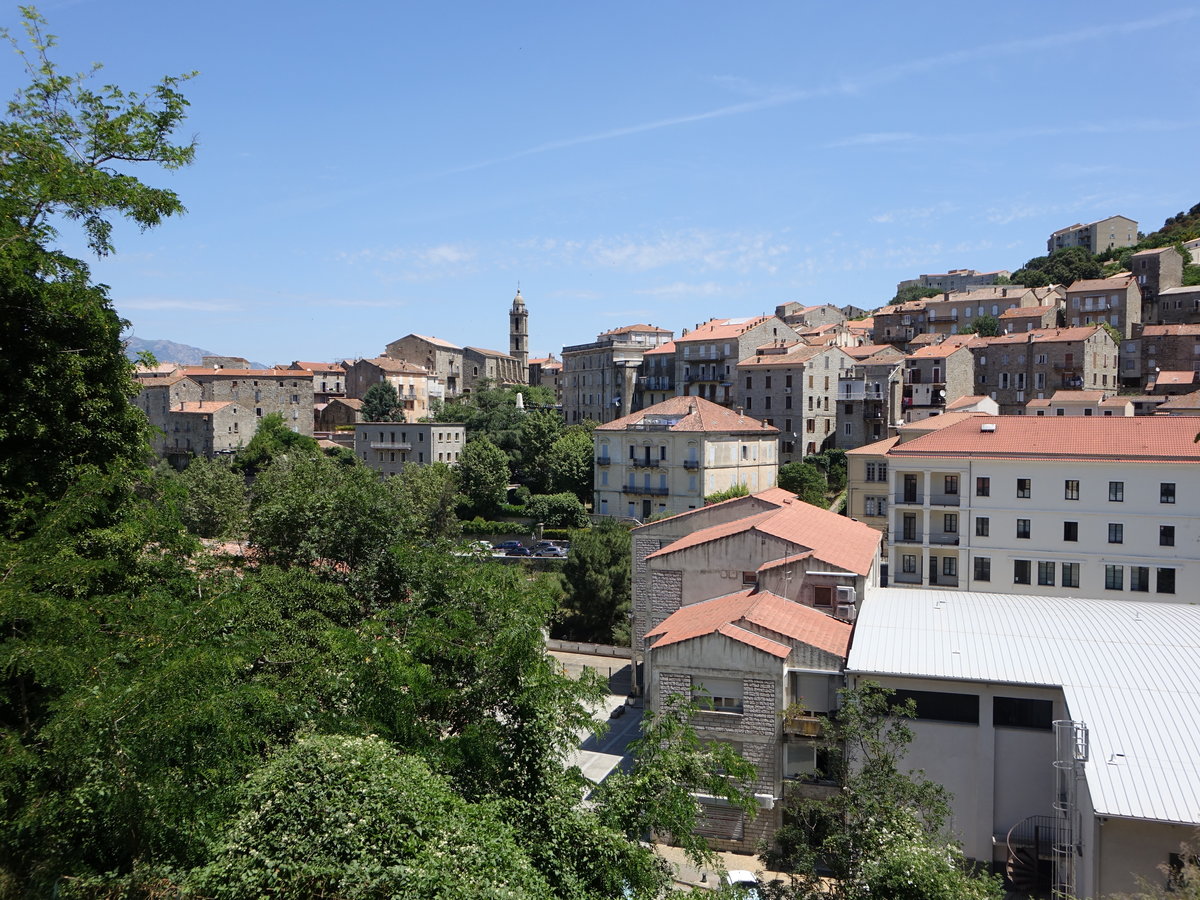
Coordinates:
1063	266
734	490
557	510
596	580
381	403
427	498
984	326
540	430
806	481
483	475
915	292
571	462
273	440
214	502
879	834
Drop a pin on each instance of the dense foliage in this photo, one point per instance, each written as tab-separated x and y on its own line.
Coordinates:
596	582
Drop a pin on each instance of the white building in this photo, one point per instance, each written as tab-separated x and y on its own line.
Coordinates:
1065	730
1057	506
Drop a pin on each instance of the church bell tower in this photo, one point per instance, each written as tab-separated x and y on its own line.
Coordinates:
518	334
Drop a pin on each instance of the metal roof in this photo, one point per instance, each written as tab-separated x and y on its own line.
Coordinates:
1130	670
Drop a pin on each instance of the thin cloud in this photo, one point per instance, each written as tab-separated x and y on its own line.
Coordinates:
684	289
154	303
882	137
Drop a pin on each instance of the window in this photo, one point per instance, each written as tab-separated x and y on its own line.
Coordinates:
983	487
724	694
1166	581
1045	573
1071	489
1021	569
750	578
1139	578
1116	533
1070	574
908	563
1166	535
951	484
950	523
1023	488
1023	528
1116	491
950	565
983	568
983	526
1166	492
1015	712
1114	578
942	706
1070	531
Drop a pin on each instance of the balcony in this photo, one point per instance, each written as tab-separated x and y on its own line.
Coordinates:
944	500
944	538
691	464
645	490
907	499
391	445
910	537
604	460
644	463
803	725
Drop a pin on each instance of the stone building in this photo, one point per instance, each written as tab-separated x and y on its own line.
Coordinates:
656	377
546	371
518	334
261	391
1032	318
441	359
601	377
1096	237
1170	348
411	382
1177	306
668	457
329	379
1156	270
802	317
339	414
1115	301
493	366
388	447
869	400
1080	403
794	387
1016	368
705	357
954	280
935	376
950	313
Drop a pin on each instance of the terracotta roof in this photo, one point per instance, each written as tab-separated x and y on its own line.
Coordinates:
1154	250
691	414
744	617
1171	330
833	539
200	406
316	366
1184	377
935	423
492	353
626	329
352	402
1078	396
800	353
927	337
396	366
1115	283
1039	336
196	371
1185	289
719	329
1182	401
436	341
668	347
1116	401
861	324
1022	311
153	381
888	357
937	351
1099	438
965	401
876	449
775	496
866	350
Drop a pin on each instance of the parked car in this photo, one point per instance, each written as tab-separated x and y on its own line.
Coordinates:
518	551
507	545
744	883
479	547
551	552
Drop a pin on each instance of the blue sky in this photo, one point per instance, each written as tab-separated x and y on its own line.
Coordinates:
373	169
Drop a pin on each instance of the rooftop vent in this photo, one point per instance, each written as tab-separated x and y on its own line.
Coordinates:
988	427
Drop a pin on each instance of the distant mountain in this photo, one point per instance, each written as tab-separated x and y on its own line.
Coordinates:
169	351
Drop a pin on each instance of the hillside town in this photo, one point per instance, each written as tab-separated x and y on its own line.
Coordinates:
1016	539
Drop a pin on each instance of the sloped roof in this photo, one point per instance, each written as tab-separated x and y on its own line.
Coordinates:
1181	401
865	350
1128	669
492	353
720	329
1019	312
801	353
937	351
317	366
435	341
691	414
396	366
628	329
736	615
1115	283
667	348
1171	330
201	371
201	406
1184	377
775	496
833	539
965	401
1039	336
1107	438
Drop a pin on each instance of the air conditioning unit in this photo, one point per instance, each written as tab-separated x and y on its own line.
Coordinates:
787	390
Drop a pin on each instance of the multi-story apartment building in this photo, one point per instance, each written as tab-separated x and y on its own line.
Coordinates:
794	387
441	359
1016	368
1156	270
803	317
955	280
668	457
1096	237
601	377
1031	318
936	375
656	377
869	400
953	312
1170	348
746	605
705	357
264	391
329	379
547	371
387	447
1115	301
1059	506
1080	403
184	425
411	382
1177	305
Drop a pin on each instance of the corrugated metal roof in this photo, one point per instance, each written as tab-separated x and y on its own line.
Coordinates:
1129	670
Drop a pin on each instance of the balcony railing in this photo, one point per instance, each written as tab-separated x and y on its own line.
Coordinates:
645	489
390	445
944	500
909	500
939	537
691	464
802	725
644	463
911	537
604	460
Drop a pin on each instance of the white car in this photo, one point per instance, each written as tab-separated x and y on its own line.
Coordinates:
744	882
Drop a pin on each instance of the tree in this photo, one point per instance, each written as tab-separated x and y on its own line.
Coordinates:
557	510
540	430
1063	266
985	326
806	481
381	403
214	502
67	152
596	579
571	462
915	292
272	440
483	475
734	490
879	833
427	497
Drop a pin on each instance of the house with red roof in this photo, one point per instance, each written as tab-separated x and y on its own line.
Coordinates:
706	356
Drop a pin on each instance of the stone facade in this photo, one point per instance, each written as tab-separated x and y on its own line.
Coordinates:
803	317
1096	237
496	367
954	280
1177	306
706	357
1014	369
388	447
868	403
935	376
410	381
441	359
602	377
1115	301
1170	348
